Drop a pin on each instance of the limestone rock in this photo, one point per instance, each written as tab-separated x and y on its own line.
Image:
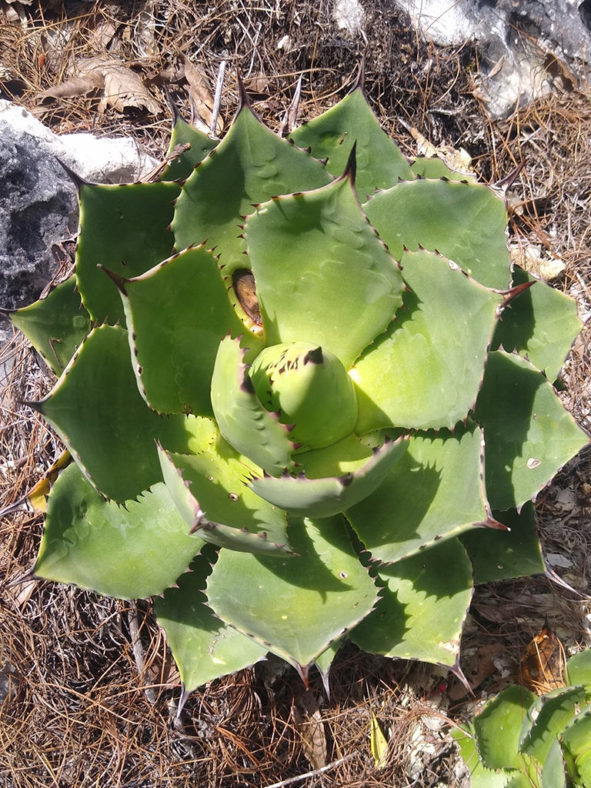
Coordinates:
521	42
349	16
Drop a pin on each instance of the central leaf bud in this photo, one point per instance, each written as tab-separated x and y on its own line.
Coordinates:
309	388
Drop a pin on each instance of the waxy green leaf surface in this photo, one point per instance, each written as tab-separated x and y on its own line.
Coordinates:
242	420
199	145
213	485
326	496
422	607
516	552
528	434
331	136
55	325
131	551
463	221
315	596
105	423
203	647
318	242
420	350
125	229
250	165
434	492
175	356
540	324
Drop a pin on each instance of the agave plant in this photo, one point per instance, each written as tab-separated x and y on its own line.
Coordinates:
306	396
521	740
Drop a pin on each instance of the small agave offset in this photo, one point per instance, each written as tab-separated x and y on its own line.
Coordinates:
307	397
526	741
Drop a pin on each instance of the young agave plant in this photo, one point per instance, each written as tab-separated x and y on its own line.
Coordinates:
305	394
525	741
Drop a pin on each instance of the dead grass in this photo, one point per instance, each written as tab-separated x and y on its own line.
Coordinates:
77	706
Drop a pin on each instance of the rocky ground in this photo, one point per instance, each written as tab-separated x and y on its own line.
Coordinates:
87	690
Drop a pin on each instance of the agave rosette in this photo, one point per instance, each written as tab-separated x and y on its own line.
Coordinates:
303	369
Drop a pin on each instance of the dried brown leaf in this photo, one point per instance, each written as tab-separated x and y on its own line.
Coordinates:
22	592
259	84
311	728
200	95
541	668
102	35
536	260
482	666
122	87
77	86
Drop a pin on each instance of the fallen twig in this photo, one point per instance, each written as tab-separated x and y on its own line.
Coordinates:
313	773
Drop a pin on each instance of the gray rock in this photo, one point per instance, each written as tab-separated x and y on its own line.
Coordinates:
38	209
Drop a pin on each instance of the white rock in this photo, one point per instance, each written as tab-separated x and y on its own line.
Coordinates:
106	159
349	16
94	159
284	43
442	21
23	122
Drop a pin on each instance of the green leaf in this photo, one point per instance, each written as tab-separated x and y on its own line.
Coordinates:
553	775
422	607
578	670
528	434
250	165
213	484
540	324
330	136
129	552
295	606
480	776
326	496
434	492
243	422
435	168
498	728
420	351
303	250
124	228
55	325
576	745
464	221
203	647
97	409
547	717
183	165
176	354
518	780
500	555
